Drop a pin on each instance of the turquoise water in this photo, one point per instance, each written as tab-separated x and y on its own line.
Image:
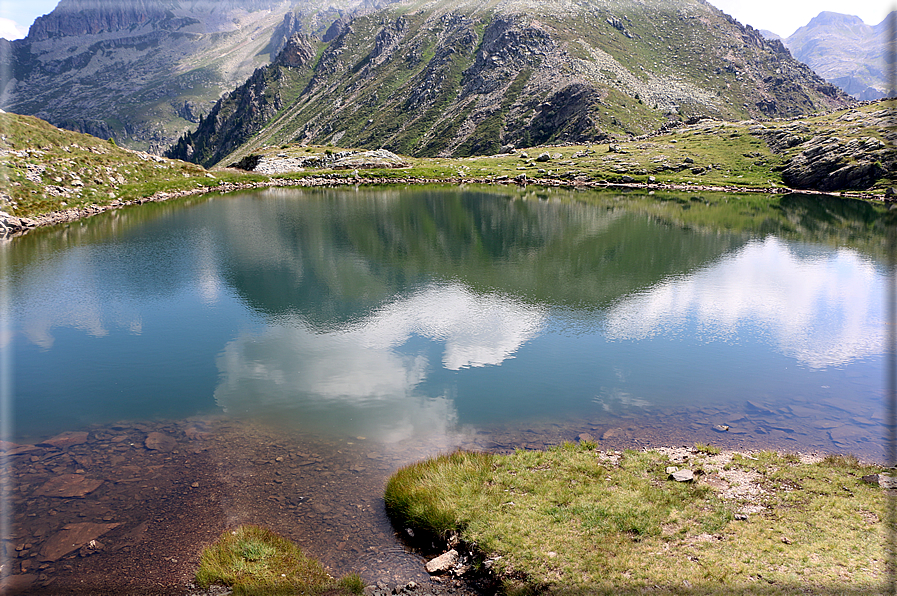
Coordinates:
406	312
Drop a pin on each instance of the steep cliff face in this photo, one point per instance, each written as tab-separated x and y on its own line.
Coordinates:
143	71
846	52
455	78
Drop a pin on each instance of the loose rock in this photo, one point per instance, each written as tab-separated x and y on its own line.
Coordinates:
683	476
443	562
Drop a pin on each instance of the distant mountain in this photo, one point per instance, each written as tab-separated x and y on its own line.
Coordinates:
846	52
446	77
144	71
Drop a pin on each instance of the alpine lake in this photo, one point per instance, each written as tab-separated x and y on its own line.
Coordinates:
272	357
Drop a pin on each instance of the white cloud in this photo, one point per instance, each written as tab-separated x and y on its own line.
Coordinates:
10	29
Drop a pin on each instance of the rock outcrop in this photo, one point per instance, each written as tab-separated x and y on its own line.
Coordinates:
835	159
342	160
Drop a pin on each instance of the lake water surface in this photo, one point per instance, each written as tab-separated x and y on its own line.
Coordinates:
388	324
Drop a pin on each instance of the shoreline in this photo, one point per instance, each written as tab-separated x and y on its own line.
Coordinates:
11	226
211	474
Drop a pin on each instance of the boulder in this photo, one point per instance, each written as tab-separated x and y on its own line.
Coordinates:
68	486
71	538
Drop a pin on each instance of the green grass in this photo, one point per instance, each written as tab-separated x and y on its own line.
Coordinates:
576	520
44	169
254	561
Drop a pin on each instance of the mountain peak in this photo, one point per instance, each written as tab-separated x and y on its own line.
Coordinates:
828	18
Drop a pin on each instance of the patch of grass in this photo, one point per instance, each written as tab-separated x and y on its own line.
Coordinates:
572	520
708	449
254	560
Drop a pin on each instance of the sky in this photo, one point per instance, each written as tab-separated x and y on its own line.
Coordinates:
783	17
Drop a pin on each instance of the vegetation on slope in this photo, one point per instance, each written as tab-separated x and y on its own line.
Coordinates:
849	149
45	169
575	520
440	78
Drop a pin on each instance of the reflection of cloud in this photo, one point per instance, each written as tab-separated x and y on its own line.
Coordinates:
615	398
208	281
360	375
822	309
292	372
79	301
478	330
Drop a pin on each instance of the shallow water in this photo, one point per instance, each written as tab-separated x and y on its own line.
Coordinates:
369	328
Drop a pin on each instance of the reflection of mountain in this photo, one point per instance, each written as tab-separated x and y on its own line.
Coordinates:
822	308
333	258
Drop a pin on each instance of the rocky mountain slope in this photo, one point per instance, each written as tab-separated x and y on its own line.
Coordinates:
144	71
846	52
456	78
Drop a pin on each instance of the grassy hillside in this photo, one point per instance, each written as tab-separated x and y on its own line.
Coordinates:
746	154
45	169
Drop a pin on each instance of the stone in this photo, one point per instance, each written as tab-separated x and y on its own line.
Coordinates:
68	486
71	538
23	449
683	476
881	480
672	469
612	433
543	157
757	407
66	440
194	434
443	562
157	441
585	437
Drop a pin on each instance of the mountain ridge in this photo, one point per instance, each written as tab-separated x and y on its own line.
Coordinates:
847	52
439	78
143	71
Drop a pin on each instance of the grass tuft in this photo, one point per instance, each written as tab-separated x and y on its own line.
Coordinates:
254	560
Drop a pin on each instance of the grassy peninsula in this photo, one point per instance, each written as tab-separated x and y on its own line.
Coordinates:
577	520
